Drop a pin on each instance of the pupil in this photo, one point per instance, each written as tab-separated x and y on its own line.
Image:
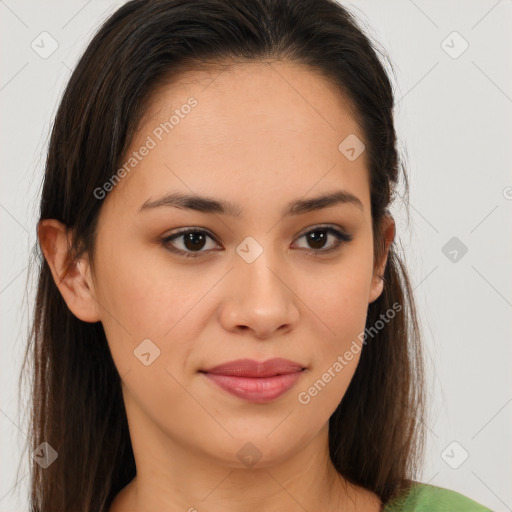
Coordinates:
317	237
192	238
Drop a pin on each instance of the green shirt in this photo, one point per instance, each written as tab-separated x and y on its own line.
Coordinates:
428	498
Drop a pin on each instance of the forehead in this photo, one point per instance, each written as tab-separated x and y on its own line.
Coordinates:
276	97
270	128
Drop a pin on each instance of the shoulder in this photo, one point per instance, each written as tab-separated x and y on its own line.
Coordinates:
429	498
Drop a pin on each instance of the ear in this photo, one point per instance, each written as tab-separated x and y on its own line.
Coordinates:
73	280
388	232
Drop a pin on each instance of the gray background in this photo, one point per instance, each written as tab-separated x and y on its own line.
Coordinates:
455	126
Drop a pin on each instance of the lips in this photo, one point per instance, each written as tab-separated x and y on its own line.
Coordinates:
252	368
254	381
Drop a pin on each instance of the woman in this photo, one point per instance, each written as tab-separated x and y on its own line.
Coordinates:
222	319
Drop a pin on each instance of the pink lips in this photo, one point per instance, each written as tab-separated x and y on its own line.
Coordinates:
255	381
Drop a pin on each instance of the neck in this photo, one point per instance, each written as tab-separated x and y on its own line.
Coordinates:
190	482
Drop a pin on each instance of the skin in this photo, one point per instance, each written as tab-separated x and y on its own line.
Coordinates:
262	135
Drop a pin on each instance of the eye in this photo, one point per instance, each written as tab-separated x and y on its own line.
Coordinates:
317	239
193	241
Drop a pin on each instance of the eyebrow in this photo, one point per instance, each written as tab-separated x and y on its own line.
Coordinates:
210	205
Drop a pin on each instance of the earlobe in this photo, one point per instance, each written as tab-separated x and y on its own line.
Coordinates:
377	285
71	278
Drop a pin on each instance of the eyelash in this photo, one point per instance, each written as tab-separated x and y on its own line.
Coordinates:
341	237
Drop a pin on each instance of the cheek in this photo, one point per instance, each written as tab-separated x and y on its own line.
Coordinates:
142	288
338	327
338	294
338	297
336	344
142	297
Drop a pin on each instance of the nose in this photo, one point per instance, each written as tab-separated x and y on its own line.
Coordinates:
259	297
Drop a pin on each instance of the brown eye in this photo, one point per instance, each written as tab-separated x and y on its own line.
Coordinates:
192	241
317	239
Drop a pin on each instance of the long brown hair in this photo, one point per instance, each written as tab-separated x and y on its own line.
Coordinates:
376	433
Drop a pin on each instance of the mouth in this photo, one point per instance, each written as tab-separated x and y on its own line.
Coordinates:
254	381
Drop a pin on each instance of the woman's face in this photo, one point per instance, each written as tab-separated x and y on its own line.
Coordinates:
265	283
